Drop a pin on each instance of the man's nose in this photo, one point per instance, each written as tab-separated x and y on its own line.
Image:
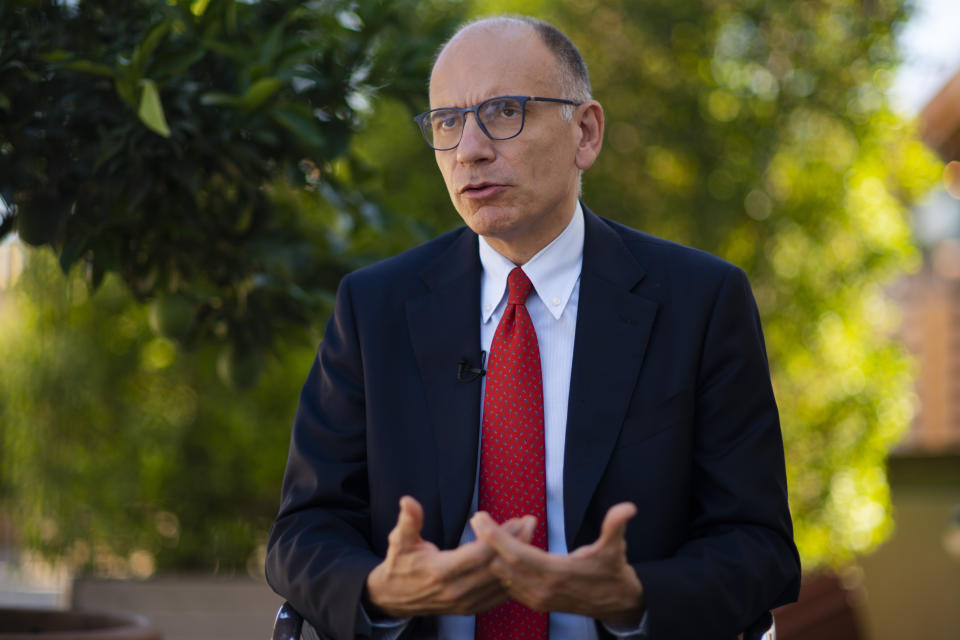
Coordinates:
475	146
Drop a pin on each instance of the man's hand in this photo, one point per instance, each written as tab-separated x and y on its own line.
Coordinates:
595	580
416	578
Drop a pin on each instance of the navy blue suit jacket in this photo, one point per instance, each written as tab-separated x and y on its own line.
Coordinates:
670	407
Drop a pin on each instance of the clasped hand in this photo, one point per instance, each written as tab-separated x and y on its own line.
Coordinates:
416	578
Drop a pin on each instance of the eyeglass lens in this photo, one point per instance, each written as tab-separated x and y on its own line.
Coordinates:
501	117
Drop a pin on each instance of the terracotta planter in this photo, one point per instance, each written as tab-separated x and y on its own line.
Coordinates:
47	624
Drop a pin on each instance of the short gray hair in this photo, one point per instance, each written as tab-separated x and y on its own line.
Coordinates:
574	77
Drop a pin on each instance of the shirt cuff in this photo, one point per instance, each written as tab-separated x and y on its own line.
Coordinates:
382	629
631	632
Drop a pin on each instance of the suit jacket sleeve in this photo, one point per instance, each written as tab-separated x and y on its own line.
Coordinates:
319	551
738	558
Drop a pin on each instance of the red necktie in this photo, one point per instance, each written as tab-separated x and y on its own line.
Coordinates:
512	476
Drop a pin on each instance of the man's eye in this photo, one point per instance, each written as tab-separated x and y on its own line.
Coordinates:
445	122
501	110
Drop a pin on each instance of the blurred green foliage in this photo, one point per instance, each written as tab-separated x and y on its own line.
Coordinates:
758	131
121	450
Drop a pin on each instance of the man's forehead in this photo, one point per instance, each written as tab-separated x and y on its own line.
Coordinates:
489	33
491	58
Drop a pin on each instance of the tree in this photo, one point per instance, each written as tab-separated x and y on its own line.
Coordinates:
193	148
183	169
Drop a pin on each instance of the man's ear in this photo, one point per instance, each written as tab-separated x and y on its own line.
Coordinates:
589	119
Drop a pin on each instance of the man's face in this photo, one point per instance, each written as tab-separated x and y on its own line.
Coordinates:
519	193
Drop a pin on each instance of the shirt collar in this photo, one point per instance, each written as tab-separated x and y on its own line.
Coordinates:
553	271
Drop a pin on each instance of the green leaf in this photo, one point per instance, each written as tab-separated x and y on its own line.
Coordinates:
292	55
151	109
197	7
58	55
169	64
127	90
237	54
87	66
146	48
72	250
301	123
272	44
219	99
259	92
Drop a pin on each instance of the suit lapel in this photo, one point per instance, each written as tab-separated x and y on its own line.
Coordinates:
613	326
444	327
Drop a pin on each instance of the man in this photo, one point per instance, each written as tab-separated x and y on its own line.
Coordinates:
619	466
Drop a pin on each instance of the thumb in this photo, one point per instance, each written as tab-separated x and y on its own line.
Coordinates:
521	528
614	527
406	533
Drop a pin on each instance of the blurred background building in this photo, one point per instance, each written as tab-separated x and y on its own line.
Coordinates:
912	582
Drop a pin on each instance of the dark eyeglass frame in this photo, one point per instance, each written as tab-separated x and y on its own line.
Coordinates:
423	119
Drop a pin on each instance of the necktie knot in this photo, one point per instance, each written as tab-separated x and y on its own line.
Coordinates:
518	287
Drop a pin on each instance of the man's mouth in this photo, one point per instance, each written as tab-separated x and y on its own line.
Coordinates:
482	190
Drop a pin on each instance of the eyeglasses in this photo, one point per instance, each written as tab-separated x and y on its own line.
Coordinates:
500	118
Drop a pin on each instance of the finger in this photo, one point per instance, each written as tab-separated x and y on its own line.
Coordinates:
528	528
513	526
467	558
406	534
481	522
521	528
483	525
471	591
614	527
509	548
